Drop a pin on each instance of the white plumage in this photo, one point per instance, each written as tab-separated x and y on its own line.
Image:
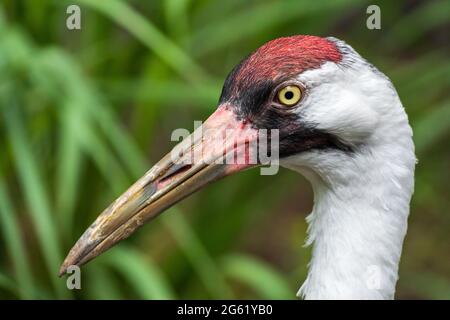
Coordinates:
361	200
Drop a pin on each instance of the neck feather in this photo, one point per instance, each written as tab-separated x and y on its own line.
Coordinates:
359	219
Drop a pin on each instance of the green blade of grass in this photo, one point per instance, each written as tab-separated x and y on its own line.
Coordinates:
411	79
416	24
428	285
102	284
86	114
7	284
141	273
79	107
253	20
12	235
97	149
432	126
175	12
34	190
203	97
68	170
258	276
148	34
197	255
123	144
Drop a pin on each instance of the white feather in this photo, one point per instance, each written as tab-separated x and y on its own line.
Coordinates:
361	199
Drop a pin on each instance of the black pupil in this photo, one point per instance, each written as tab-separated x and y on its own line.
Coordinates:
289	95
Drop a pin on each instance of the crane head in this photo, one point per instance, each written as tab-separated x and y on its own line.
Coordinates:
307	89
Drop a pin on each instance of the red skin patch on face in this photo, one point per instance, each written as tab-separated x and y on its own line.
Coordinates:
287	57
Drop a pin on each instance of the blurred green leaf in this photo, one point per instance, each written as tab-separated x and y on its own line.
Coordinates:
258	276
34	189
429	285
432	126
146	32
254	19
12	234
69	168
177	17
417	23
206	268
7	284
102	284
142	274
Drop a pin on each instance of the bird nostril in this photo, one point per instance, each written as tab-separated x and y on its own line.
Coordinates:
174	170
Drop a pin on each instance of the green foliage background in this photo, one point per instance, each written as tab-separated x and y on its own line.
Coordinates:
85	113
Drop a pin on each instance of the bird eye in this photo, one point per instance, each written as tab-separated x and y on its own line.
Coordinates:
289	95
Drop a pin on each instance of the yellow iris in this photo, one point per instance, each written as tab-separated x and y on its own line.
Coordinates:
289	95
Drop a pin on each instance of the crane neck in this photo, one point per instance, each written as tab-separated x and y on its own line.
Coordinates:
359	218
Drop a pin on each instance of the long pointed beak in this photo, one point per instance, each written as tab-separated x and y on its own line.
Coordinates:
222	146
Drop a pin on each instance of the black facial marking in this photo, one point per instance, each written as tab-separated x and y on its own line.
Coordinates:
296	136
254	100
309	138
